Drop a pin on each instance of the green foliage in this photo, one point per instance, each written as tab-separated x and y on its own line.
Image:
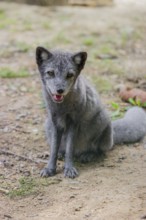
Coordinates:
23	47
115	105
6	72
27	26
2	14
118	112
107	49
46	25
29	186
61	38
102	84
88	42
110	67
136	102
129	34
5	21
26	187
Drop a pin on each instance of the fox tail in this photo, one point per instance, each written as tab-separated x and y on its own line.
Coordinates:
131	128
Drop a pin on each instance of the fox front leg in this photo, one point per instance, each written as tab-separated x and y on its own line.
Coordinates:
54	138
69	170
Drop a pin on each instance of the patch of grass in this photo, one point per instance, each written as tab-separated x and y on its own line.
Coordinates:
5	53
88	42
49	181
27	186
110	67
6	22
136	102
46	44
106	49
102	84
117	112
27	26
2	14
61	38
65	17
129	35
23	47
46	25
8	73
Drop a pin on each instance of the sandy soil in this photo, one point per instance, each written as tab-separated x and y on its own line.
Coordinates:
112	188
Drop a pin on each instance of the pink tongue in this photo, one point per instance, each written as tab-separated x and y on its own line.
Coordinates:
58	97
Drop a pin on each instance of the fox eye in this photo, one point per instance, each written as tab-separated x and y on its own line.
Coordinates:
70	75
51	73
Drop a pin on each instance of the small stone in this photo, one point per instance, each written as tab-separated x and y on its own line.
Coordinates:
35	131
6	129
18	117
27	173
35	122
23	89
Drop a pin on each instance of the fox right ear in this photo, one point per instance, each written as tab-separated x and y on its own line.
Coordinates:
42	54
80	59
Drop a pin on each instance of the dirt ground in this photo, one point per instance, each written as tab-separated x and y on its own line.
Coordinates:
114	37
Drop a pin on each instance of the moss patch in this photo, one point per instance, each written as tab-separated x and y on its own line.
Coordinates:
8	73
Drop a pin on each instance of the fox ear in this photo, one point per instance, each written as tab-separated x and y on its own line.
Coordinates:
80	59
42	54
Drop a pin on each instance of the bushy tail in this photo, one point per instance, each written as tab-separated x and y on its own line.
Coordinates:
131	128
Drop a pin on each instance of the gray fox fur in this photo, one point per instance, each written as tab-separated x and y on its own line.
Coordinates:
77	124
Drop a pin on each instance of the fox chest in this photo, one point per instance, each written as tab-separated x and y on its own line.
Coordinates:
65	121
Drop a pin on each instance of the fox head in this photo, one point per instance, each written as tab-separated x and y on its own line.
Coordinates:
59	71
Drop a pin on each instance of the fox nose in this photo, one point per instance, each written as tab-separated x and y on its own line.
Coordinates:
60	91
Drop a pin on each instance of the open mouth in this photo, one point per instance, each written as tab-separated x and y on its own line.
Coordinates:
58	98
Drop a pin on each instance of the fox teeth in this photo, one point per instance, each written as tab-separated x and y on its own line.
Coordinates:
58	98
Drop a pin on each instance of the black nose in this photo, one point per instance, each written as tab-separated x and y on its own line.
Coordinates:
60	91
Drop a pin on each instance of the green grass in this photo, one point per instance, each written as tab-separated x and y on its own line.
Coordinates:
2	14
61	38
129	35
117	111
88	42
5	21
5	53
137	102
102	84
27	186
6	72
106	49
30	186
27	26
46	25
110	67
23	47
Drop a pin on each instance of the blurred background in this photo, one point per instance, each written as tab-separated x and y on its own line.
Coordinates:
113	32
65	2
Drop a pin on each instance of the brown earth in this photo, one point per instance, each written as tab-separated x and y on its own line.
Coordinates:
114	37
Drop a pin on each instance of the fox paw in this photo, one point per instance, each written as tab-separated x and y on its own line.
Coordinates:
46	172
87	157
70	172
60	156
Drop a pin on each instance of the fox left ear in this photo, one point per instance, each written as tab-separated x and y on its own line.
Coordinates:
42	54
80	59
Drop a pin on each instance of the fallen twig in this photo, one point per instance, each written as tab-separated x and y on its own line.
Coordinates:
106	56
5	191
22	157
